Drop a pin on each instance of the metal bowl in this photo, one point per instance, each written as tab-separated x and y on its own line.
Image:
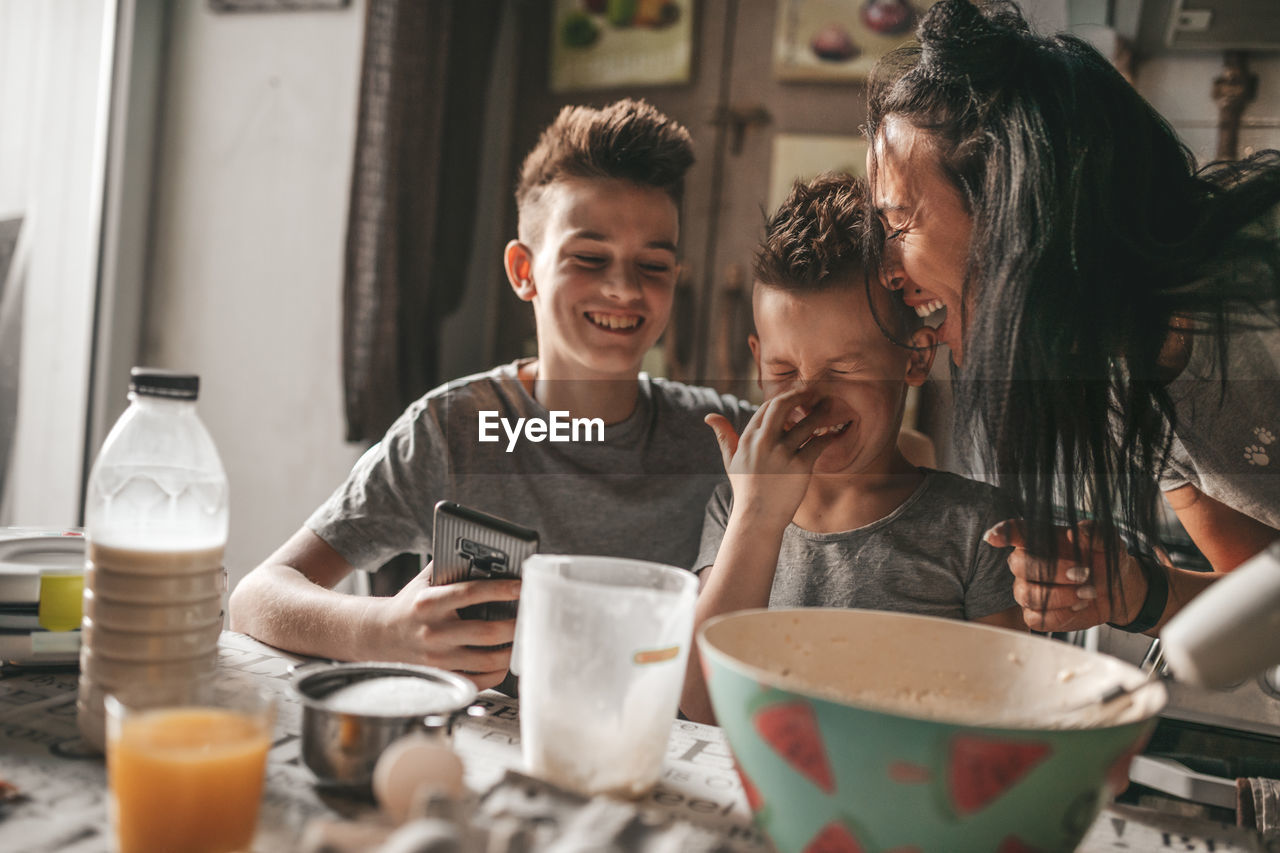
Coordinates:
342	748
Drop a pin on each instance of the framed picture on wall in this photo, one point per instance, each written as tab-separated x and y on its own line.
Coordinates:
840	40
801	156
602	44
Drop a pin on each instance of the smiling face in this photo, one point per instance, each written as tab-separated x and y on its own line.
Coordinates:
927	226
601	275
829	340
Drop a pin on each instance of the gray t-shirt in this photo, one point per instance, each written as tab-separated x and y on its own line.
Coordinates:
1226	439
639	493
926	557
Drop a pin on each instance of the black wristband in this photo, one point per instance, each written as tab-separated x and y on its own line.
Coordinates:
1157	597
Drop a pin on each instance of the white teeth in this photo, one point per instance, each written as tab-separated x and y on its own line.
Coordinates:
837	429
613	321
928	308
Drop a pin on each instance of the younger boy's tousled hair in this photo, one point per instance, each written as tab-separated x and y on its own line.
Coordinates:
816	240
627	140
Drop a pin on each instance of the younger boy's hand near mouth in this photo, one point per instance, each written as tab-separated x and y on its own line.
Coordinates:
770	466
773	444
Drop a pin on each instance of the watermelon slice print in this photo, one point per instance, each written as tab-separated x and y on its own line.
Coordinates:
835	837
792	730
1118	772
754	800
982	769
1013	844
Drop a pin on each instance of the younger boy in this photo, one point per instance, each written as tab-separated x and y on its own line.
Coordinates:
824	510
598	201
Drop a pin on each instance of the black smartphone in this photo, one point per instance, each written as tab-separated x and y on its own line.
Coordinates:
469	545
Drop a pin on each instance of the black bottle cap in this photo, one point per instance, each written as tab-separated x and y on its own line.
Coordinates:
153	382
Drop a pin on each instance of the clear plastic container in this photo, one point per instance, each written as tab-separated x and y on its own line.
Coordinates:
601	646
156	517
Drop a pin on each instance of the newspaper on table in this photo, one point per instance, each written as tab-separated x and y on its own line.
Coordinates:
63	783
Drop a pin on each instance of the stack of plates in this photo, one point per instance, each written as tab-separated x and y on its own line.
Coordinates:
41	585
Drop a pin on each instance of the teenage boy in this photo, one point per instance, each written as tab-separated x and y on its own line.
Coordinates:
822	509
598	203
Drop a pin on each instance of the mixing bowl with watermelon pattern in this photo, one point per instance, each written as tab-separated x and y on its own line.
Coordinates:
858	731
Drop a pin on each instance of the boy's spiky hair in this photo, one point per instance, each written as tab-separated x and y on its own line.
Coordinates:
627	140
816	240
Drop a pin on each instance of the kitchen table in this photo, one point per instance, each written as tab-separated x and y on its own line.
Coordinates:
62	785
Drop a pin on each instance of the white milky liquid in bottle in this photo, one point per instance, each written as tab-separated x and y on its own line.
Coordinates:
156	517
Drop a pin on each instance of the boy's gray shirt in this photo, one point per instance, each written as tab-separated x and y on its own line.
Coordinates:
640	493
926	557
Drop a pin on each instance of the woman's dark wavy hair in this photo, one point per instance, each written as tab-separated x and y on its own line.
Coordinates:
1092	232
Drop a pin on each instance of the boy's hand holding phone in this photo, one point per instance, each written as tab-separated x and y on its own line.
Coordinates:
421	625
442	619
768	446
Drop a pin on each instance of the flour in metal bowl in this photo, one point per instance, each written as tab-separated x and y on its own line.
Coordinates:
393	696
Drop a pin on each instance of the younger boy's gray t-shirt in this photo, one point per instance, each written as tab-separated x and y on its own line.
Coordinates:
640	493
925	557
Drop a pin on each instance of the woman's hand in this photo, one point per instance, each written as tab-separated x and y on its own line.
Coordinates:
768	446
1070	594
420	624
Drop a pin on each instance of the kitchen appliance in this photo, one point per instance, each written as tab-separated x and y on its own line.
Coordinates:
1206	738
1231	631
1223	717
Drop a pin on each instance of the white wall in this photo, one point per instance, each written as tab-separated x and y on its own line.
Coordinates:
52	138
254	165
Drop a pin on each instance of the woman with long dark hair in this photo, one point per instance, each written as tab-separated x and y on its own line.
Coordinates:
1111	311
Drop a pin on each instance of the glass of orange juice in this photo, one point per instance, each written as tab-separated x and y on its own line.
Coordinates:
186	772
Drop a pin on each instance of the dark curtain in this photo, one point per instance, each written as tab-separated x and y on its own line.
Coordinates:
425	72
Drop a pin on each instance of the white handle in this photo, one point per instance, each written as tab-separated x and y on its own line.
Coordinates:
1232	629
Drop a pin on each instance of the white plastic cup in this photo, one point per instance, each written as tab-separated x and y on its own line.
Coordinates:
601	648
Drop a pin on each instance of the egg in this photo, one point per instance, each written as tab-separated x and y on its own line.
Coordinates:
412	766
